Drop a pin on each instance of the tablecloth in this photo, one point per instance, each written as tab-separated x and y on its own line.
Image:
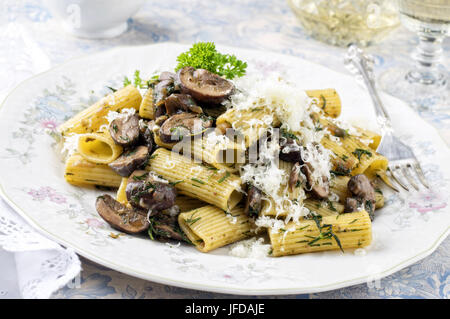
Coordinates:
31	41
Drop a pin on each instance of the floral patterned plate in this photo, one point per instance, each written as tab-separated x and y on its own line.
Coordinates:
409	228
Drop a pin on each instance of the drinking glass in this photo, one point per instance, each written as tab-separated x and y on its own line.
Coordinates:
426	83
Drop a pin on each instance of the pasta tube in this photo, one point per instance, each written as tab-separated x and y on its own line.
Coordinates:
99	147
250	123
353	230
92	118
210	227
186	203
80	172
146	109
223	154
324	208
196	180
328	100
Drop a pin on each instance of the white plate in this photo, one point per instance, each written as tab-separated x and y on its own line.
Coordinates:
409	228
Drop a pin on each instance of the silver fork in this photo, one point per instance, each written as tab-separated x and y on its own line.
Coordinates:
403	164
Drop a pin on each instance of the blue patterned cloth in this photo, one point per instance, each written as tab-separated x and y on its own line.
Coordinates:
32	41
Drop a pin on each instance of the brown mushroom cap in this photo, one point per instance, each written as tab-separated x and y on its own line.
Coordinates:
290	151
253	204
204	86
321	192
165	226
363	193
181	102
125	130
183	124
360	186
119	216
145	191
126	163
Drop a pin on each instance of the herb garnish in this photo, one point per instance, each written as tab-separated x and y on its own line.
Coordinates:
191	220
359	152
198	180
327	234
227	174
203	55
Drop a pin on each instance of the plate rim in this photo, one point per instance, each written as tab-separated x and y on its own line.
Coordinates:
184	284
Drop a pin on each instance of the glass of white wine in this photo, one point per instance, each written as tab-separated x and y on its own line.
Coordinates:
427	82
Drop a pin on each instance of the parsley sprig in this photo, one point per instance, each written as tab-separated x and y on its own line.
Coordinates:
203	55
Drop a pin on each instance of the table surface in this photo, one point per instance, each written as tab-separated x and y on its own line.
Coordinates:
31	41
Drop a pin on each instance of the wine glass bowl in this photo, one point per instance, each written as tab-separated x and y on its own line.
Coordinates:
342	22
426	81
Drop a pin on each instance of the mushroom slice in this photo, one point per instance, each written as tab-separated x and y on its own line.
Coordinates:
184	102
126	163
364	193
204	86
320	191
164	76
294	177
253	203
125	130
183	124
290	151
162	90
131	221
165	225
147	191
351	205
360	186
146	134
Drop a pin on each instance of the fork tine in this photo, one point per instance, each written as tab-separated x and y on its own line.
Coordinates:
419	173
381	174
391	170
408	176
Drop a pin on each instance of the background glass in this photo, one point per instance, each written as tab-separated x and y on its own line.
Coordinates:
427	79
341	22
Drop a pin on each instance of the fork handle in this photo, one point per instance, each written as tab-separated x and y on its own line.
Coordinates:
361	62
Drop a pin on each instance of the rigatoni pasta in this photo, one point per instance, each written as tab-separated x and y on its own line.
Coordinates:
210	227
92	118
352	230
196	180
210	162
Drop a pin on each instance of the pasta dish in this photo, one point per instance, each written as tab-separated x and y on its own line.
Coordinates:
210	156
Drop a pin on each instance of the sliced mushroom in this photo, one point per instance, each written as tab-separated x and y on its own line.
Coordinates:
183	124
294	177
146	134
290	151
165	226
149	192
164	76
181	102
320	191
351	205
126	163
125	130
162	90
204	86
363	192
253	204
119	216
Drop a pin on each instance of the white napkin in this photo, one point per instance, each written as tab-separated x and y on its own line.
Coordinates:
42	265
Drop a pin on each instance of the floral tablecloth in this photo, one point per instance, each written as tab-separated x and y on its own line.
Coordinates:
31	41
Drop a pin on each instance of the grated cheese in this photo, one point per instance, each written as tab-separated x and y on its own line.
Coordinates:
250	248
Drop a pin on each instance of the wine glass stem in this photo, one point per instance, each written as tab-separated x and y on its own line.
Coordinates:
428	55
